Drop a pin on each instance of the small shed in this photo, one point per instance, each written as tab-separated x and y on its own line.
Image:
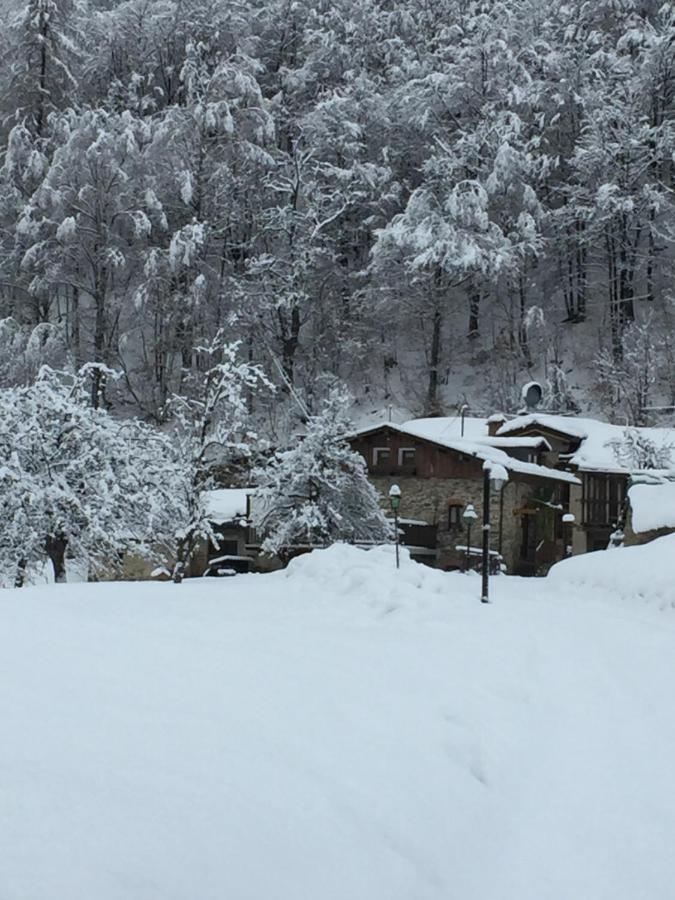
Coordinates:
228	510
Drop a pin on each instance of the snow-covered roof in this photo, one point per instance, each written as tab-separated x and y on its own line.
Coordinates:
652	505
450	427
477	448
598	440
226	504
441	428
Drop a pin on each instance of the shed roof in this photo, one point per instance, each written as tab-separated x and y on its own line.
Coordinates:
226	504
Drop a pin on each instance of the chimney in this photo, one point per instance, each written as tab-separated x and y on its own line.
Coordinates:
494	423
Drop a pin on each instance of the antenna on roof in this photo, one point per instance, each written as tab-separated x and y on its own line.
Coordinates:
532	395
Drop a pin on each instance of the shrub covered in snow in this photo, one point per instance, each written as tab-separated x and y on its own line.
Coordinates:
318	491
75	481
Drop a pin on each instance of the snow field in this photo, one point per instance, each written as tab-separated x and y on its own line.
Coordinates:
336	730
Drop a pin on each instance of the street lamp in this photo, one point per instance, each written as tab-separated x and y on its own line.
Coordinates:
494	476
469	515
395	500
568	521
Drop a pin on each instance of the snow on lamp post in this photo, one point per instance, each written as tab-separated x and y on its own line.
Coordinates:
395	500
568	521
469	515
494	476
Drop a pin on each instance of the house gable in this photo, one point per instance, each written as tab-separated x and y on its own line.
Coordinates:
390	451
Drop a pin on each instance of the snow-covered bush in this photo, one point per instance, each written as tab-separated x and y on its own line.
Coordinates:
74	481
318	491
636	450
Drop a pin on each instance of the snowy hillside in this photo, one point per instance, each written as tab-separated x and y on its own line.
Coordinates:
338	732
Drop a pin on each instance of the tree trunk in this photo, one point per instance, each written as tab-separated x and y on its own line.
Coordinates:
20	577
474	311
56	550
182	559
290	339
434	360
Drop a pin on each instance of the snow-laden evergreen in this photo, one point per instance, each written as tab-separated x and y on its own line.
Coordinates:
318	492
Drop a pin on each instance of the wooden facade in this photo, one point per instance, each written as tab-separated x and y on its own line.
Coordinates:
599	505
388	452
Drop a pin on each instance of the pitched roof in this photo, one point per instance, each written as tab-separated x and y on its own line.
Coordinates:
479	449
597	440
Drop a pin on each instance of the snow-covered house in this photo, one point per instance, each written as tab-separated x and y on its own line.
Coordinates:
603	456
438	464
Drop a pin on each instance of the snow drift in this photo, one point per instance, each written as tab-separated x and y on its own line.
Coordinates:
643	573
338	730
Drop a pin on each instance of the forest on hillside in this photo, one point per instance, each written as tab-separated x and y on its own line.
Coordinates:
430	202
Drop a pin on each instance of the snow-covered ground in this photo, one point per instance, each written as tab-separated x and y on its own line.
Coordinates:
339	731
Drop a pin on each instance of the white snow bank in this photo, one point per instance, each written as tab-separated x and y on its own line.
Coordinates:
652	506
337	731
371	577
643	573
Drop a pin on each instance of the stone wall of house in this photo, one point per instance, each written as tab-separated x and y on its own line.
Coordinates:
427	499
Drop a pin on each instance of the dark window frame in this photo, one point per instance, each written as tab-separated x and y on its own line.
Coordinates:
455	513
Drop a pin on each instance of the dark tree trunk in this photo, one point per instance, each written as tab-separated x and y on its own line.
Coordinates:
523	338
182	559
290	339
434	359
474	311
581	272
55	546
20	577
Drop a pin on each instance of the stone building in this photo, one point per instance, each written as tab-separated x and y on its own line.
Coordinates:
440	476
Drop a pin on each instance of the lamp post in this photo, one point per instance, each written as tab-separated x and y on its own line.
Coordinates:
395	500
469	515
495	476
568	521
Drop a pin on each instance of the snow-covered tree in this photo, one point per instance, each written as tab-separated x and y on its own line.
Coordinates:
24	350
213	440
637	450
318	491
74	482
628	381
43	51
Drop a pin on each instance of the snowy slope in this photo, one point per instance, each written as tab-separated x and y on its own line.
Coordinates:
335	732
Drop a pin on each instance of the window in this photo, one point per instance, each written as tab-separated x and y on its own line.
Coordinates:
381	456
406	456
228	548
604	498
455	512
